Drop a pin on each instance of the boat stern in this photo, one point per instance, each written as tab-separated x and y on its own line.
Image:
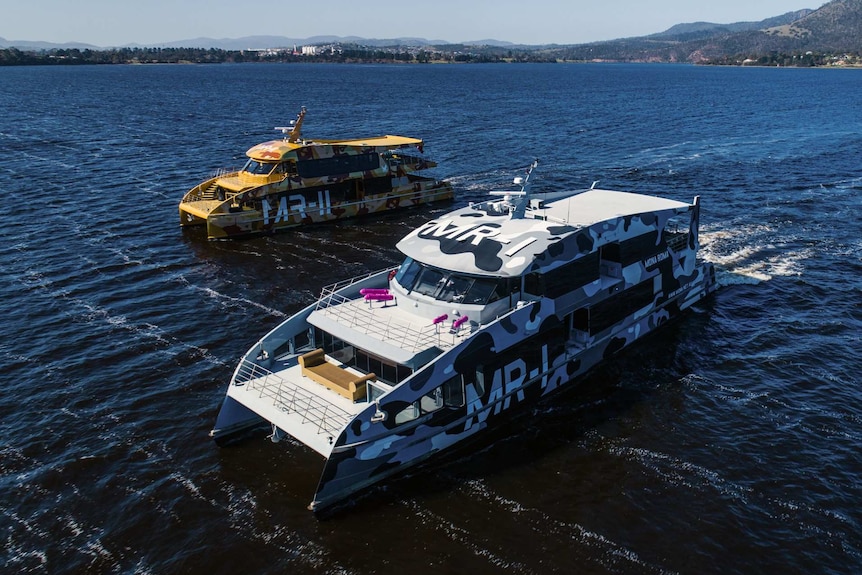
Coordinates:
195	213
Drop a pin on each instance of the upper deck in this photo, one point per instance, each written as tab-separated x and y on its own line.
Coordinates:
386	327
278	150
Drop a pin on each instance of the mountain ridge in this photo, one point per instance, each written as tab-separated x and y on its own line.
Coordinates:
835	27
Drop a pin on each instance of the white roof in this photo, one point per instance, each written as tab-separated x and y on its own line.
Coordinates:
593	206
483	239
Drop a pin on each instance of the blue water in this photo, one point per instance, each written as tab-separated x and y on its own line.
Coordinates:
728	443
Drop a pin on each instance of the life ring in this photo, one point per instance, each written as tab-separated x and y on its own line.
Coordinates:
392	274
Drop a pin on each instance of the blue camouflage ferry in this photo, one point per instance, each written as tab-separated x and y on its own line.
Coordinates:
494	306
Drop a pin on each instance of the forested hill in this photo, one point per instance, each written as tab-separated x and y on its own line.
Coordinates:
834	29
830	35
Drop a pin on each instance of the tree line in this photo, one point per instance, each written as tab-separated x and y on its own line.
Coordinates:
348	54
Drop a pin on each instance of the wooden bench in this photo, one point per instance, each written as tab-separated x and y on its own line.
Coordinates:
341	381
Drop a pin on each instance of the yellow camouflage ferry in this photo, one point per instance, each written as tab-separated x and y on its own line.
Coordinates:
294	181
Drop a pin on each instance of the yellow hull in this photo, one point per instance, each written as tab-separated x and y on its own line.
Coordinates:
278	212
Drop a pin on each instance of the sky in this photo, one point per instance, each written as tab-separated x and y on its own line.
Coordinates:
110	23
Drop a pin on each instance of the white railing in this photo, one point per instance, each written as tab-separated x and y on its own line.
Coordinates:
332	288
356	314
291	398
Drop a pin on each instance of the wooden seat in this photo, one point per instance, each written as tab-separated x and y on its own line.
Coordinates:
341	381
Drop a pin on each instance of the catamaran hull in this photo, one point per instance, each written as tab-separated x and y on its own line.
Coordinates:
524	371
282	210
233	420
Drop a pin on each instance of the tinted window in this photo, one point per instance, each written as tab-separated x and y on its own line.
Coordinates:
337	165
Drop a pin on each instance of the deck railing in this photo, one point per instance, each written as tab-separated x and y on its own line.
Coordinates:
358	314
289	397
201	191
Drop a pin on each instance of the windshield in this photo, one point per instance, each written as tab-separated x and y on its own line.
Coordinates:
259	168
447	286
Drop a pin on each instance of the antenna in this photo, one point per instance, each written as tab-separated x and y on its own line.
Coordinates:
518	207
292	132
524	200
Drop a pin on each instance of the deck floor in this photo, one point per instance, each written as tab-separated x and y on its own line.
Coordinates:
393	325
305	409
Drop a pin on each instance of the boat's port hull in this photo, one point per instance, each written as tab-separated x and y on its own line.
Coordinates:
280	211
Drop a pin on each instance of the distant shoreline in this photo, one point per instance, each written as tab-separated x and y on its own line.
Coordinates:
399	55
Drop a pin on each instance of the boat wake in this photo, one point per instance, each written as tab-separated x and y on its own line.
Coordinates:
748	255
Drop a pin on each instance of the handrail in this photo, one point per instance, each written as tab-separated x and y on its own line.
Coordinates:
332	288
290	397
197	193
411	337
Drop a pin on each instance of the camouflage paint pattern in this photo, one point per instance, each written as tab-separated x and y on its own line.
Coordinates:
541	344
241	203
524	355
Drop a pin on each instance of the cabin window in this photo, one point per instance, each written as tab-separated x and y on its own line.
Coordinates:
258	168
302	340
407	414
483	291
617	307
430	280
376	186
563	279
581	320
632	250
407	273
386	371
450	394
453	392
337	165
431	401
534	284
288	168
453	288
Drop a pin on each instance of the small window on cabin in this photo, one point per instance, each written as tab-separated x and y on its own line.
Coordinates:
407	414
301	340
478	382
376	391
481	292
346	355
453	392
431	401
388	372
402	372
675	233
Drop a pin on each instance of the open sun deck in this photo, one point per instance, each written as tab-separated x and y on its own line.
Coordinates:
302	407
382	324
309	394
